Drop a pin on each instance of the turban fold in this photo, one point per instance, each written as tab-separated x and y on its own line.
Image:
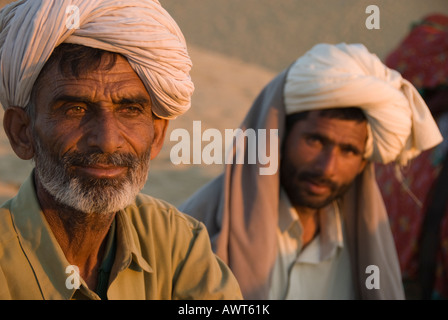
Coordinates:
400	125
140	30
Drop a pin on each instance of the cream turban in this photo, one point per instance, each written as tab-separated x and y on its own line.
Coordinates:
348	75
140	30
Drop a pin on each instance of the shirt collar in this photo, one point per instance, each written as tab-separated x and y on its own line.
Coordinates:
128	247
330	236
287	215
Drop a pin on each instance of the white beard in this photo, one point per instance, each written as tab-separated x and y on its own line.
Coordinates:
90	196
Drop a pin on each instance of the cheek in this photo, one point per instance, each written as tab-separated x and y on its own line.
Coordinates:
302	155
293	163
55	137
137	139
140	136
350	170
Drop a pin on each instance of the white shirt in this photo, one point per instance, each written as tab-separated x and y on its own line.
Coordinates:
321	270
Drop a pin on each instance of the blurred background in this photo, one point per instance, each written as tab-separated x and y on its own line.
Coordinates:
237	47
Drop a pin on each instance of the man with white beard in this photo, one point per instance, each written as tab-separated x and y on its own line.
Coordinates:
90	106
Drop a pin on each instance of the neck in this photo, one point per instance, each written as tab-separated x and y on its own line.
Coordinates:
80	235
309	218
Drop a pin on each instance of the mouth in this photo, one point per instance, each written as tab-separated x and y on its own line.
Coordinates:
102	171
317	188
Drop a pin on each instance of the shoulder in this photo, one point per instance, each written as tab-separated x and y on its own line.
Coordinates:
149	214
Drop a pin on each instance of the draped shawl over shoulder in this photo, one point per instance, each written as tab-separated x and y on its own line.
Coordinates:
240	207
140	30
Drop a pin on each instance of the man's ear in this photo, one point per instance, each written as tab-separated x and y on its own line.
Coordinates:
17	126
160	126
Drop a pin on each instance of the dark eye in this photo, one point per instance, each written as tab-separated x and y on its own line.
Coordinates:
131	110
350	151
313	140
76	110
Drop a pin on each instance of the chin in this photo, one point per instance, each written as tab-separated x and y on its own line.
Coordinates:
310	201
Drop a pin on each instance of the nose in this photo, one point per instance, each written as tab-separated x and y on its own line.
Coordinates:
105	133
327	161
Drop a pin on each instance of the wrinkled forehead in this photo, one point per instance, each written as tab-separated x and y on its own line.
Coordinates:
75	61
73	64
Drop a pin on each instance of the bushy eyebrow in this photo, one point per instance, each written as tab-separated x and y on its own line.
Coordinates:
138	99
70	98
326	140
350	147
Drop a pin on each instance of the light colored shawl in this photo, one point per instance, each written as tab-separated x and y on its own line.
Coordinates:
240	210
140	30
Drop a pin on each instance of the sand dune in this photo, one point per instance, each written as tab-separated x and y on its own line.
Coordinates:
273	33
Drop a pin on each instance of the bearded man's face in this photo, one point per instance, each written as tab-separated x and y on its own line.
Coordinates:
94	136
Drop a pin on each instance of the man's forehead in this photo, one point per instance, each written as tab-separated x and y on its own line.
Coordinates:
109	64
118	81
335	129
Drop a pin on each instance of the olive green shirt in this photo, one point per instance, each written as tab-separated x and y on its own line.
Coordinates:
161	253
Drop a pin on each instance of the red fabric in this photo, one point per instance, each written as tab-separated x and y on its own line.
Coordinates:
422	58
406	217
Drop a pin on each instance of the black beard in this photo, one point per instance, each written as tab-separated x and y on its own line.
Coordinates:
298	197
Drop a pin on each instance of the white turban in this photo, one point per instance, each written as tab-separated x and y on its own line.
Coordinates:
140	30
348	75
